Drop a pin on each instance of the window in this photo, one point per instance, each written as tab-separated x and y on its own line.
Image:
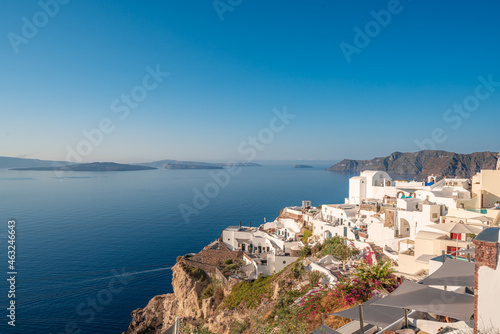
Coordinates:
434	215
284	262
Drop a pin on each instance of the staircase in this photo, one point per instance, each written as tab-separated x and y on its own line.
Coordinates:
380	252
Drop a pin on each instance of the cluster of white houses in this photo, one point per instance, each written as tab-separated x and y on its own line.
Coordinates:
418	225
397	217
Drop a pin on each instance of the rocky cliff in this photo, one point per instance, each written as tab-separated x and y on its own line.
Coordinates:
423	163
161	311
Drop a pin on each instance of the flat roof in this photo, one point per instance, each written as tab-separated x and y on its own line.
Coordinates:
491	234
429	235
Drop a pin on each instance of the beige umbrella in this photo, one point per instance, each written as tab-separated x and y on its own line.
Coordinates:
483	219
457	228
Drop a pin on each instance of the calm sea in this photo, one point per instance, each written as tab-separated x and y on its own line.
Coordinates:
76	233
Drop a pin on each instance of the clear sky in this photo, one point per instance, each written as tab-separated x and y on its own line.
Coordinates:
66	68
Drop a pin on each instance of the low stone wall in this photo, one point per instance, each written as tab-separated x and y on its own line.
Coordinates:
369	207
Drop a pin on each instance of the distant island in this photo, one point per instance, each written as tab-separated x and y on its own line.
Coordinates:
36	164
92	167
302	166
10	162
423	163
182	166
177	164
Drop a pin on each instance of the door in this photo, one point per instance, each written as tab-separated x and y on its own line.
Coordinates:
451	250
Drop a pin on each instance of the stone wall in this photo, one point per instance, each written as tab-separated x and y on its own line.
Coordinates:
369	207
389	218
485	254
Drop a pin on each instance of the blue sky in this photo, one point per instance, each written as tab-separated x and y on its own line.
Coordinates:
226	77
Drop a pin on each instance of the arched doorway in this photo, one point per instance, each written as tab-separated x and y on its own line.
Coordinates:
404	228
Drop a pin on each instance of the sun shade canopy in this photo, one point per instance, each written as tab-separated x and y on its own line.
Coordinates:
483	219
426	299
381	316
456	228
452	273
324	329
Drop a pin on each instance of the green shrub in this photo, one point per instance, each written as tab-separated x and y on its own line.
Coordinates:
197	273
207	292
237	327
306	236
228	261
232	266
305	251
250	294
290	323
297	269
314	278
282	307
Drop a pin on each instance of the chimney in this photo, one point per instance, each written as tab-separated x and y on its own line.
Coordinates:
485	255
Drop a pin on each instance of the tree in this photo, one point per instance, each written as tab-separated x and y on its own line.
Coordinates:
344	252
330	244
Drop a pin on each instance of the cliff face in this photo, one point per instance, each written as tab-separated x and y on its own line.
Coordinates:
161	311
423	163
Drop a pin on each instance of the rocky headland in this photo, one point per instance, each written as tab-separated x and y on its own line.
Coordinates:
423	164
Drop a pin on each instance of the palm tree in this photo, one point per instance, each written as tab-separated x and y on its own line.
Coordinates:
380	272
